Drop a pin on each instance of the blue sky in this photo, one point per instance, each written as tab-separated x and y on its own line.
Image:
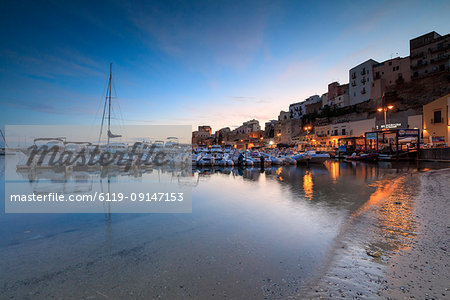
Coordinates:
191	62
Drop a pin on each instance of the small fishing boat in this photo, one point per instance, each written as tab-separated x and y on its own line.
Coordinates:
311	156
216	148
363	157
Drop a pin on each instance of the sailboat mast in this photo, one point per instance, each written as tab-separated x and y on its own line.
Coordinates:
109	100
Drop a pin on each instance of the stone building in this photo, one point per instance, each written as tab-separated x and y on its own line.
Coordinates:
389	73
429	53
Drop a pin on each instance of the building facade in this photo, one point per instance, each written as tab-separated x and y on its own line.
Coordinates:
202	135
338	94
323	135
284	115
269	129
429	54
352	129
297	110
388	73
360	80
253	125
436	121
324	99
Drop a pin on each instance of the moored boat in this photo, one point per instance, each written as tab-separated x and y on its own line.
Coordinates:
363	157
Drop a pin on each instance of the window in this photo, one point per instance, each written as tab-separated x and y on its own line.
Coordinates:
390	63
437	117
343	131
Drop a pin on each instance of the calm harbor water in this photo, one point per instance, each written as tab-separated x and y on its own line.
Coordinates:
252	233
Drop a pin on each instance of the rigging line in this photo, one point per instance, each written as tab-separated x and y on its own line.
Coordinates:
116	117
99	106
120	112
103	118
121	120
6	144
118	104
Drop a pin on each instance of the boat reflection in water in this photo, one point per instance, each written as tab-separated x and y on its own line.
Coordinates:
252	233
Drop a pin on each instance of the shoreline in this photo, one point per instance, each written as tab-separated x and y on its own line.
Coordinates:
395	246
422	270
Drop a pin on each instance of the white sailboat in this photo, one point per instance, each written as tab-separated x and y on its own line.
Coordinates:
107	109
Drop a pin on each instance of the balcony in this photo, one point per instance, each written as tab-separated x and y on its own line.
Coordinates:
439	58
417	55
439	48
437	121
419	65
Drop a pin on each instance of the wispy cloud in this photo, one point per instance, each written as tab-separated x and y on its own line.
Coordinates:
229	35
247	99
51	66
33	106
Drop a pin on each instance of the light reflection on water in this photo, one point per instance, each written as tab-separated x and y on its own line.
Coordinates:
252	233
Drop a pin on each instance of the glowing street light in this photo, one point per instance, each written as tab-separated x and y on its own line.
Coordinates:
307	129
385	109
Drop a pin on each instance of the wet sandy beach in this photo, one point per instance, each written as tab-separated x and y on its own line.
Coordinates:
395	246
339	230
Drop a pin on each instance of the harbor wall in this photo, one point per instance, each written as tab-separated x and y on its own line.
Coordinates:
435	154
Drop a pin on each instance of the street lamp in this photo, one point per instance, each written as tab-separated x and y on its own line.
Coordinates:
385	109
307	129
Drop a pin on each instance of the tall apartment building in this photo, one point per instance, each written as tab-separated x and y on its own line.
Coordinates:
360	80
388	73
429	53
